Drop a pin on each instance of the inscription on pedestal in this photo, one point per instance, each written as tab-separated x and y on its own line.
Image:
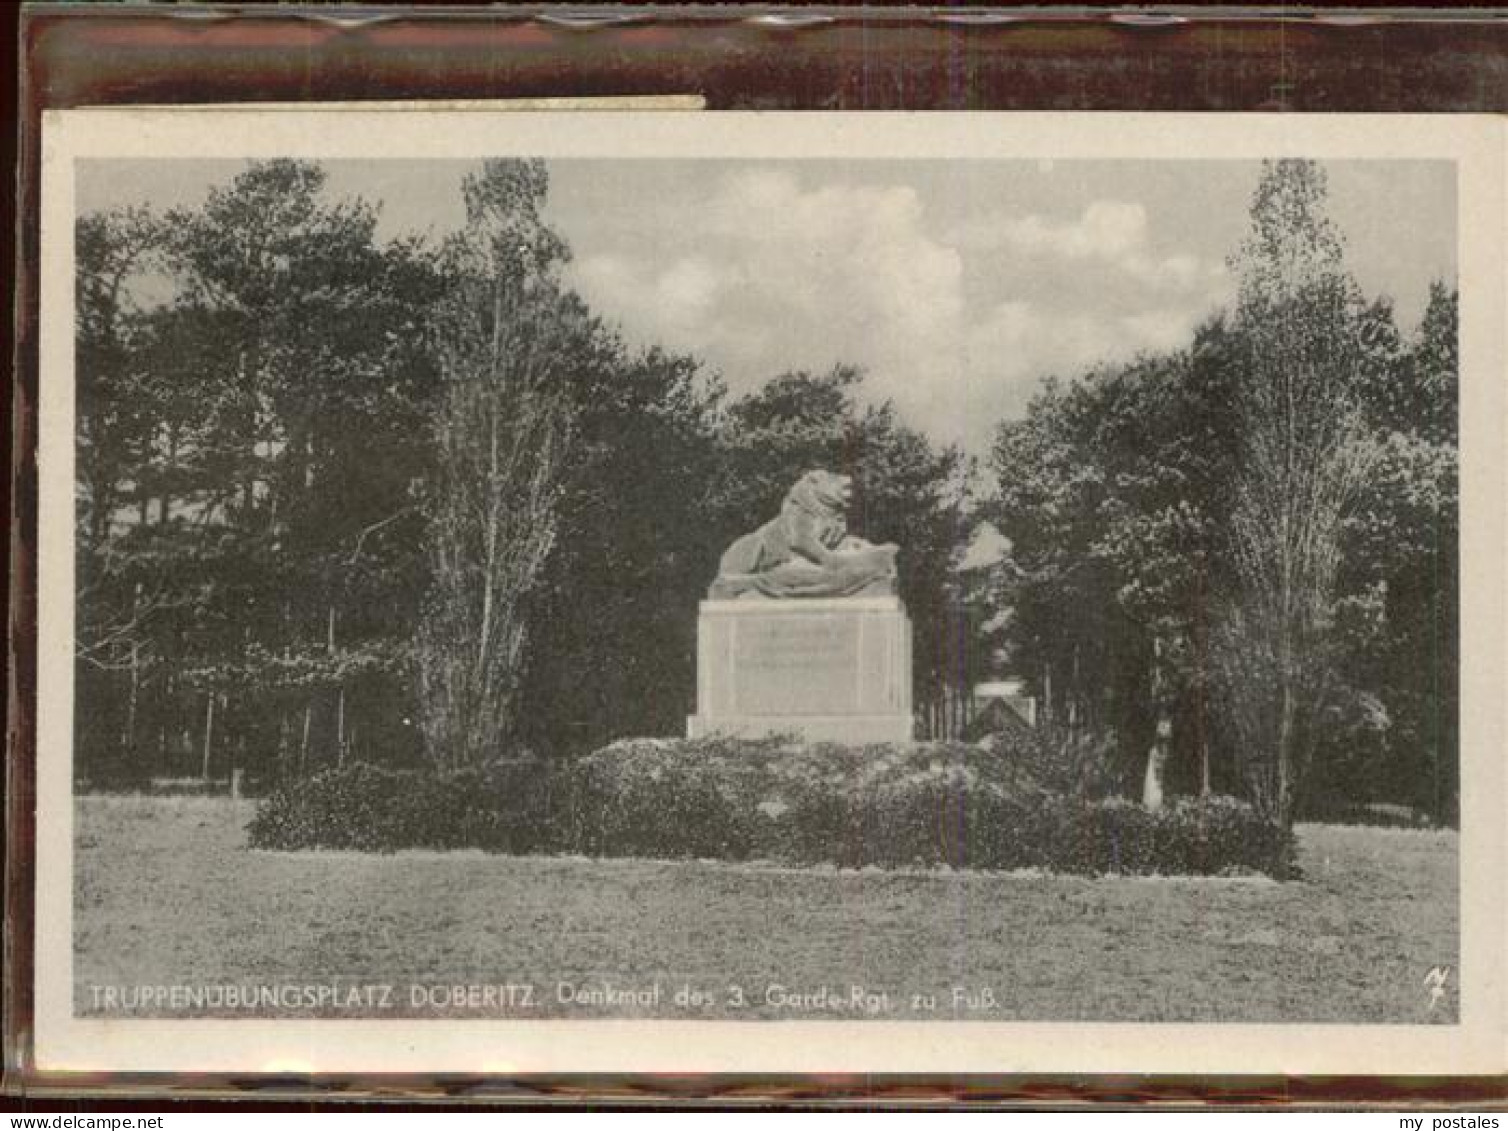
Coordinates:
797	666
833	670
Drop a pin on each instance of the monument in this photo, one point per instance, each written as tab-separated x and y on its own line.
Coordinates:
802	631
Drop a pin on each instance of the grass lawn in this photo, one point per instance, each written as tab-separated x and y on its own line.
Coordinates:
168	894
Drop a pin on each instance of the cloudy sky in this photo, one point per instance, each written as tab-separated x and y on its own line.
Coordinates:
955	285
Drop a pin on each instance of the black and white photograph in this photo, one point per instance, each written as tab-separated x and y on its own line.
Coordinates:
1013	581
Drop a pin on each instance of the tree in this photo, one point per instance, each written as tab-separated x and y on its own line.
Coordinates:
1301	360
116	394
509	337
1243	554
238	364
1060	598
312	353
1394	737
117	397
632	555
1112	493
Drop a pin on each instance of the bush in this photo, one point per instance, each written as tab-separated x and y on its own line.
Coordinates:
632	799
376	809
889	805
1071	761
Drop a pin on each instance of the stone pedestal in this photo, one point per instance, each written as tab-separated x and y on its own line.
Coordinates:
835	670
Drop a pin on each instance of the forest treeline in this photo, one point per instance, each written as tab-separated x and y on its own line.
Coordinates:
407	501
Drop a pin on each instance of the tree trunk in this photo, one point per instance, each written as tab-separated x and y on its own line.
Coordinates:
164	498
284	756
209	734
1157	761
303	742
1204	764
1157	757
133	702
1074	692
133	698
1285	767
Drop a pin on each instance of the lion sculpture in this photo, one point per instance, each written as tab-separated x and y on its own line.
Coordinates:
806	550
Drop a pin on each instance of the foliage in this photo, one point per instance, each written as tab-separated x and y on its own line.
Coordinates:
1111	492
632	556
1145	505
366	807
921	804
238	365
503	436
1078	763
264	391
285	430
1304	457
1398	614
258	589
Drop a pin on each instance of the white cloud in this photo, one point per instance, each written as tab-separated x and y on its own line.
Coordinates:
766	274
689	287
1108	230
1108	235
1161	329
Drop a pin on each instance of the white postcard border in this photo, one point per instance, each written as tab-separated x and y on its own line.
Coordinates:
1475	1045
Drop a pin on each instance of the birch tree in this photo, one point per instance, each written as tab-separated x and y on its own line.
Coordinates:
1304	456
506	340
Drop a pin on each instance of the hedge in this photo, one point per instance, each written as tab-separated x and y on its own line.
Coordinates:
889	805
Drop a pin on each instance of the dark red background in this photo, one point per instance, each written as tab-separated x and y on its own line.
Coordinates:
961	58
